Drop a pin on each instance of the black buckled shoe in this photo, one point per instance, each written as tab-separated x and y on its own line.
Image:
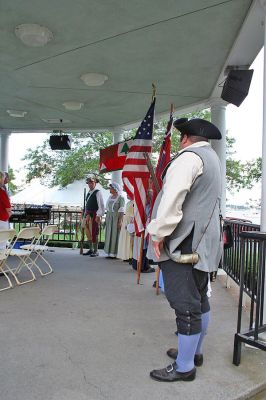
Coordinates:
169	374
88	253
198	359
94	254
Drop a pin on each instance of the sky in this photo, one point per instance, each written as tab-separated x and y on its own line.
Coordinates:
21	142
244	123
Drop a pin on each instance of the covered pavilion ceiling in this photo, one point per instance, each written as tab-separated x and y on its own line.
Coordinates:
183	46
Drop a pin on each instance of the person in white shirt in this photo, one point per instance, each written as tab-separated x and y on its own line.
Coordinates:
186	237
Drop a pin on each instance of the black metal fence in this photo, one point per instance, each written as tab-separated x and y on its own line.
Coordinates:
69	227
252	279
232	256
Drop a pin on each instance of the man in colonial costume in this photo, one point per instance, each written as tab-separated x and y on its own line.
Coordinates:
94	210
186	236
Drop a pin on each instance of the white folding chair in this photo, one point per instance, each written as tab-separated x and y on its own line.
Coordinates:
6	236
39	247
25	261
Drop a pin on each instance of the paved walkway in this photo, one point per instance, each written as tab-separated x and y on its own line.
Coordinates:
89	332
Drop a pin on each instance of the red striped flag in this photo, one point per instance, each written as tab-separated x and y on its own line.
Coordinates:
135	174
165	152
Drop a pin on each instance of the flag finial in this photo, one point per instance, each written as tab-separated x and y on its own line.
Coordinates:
172	108
153	91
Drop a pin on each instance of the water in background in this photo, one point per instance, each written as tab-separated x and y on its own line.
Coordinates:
251	214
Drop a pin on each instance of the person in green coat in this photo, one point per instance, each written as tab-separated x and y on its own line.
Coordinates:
115	208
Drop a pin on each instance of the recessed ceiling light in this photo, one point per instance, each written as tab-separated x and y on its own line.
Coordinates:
16	113
73	105
93	79
33	35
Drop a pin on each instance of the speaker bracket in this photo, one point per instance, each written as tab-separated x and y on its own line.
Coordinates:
234	67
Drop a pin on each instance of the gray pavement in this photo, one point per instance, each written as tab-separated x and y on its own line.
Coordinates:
89	332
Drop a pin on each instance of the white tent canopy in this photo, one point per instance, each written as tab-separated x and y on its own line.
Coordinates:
71	195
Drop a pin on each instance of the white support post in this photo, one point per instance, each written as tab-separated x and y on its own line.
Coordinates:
263	177
4	138
218	112
117	137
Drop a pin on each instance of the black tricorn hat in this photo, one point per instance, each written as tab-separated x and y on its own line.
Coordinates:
197	127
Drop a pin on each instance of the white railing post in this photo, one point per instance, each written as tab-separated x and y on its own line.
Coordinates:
117	137
4	139
263	176
218	113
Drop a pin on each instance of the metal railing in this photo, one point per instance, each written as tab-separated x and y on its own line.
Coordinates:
252	277
69	227
232	256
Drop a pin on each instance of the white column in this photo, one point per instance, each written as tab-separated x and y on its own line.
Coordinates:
263	177
117	137
218	112
4	137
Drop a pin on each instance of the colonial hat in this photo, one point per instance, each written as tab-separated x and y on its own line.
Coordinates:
197	127
116	187
91	178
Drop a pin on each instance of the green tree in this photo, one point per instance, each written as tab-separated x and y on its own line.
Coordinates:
12	188
240	174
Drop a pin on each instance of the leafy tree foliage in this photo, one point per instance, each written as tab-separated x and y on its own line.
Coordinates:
240	174
64	167
11	186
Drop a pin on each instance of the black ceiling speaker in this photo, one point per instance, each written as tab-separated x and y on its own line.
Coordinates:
60	142
236	86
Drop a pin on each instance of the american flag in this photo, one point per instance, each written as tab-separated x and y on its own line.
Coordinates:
165	152
135	174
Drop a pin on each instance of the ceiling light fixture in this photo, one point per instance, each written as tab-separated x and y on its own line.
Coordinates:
16	113
33	35
73	105
93	79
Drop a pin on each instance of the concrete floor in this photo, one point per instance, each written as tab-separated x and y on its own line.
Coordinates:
89	332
